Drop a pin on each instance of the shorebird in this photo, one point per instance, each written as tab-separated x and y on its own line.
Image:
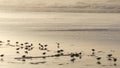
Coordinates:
21	44
58	45
21	47
45	45
115	60
98	62
98	58
26	48
109	55
62	50
17	52
26	52
17	42
93	49
31	44
2	55
58	51
23	60
26	43
76	55
80	53
45	48
72	60
61	53
23	56
8	40
44	53
93	52
17	48
72	55
57	55
1	41
39	44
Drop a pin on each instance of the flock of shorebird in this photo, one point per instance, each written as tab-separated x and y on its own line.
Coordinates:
28	47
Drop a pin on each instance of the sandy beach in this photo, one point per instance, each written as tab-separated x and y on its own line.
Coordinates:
29	55
41	39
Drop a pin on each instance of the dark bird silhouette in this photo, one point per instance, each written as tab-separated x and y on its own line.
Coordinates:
41	46
76	55
110	59
1	42
58	51
80	53
115	64
21	44
17	42
98	58
98	62
26	48
62	50
58	45
8	40
93	49
21	47
61	53
23	60
17	48
114	59
26	43
45	48
46	45
23	56
72	60
2	55
44	57
2	59
80	57
93	52
17	52
26	52
57	55
31	48
109	55
44	53
31	44
72	55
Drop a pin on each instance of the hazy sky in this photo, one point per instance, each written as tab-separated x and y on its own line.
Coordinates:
58	3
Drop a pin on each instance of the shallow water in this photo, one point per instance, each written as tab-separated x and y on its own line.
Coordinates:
74	31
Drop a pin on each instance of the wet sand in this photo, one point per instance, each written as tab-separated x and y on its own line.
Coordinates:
27	54
27	42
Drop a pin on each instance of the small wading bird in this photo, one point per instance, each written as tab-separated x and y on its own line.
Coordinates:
109	57
58	45
115	60
72	60
93	52
98	58
2	55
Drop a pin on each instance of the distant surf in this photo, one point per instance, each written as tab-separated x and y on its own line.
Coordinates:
100	29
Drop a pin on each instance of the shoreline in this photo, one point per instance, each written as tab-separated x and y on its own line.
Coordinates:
68	10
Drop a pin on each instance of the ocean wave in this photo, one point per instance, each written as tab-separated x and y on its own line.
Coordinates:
78	30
